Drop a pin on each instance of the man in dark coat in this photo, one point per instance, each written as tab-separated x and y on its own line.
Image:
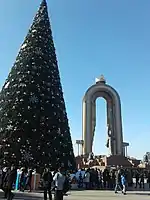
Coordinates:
10	179
29	179
47	181
6	172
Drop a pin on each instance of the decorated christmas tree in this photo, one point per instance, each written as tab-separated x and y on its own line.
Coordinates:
34	128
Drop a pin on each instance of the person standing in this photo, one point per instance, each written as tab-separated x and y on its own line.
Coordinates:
80	180
11	178
137	177
6	173
47	182
87	179
123	182
1	177
59	180
22	179
141	183
28	180
118	181
148	179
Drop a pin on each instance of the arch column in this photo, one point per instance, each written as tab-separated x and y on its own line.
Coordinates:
87	127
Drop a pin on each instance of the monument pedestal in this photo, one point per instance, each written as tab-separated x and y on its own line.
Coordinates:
103	161
117	160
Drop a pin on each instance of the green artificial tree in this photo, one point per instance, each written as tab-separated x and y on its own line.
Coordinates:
34	128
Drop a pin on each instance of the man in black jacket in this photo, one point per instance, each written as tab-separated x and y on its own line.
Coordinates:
29	179
10	179
6	172
47	182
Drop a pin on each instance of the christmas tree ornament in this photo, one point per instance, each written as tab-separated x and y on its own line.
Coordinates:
9	127
33	99
38	51
27	157
24	45
6	85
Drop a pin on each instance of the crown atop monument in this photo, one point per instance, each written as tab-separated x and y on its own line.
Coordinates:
101	79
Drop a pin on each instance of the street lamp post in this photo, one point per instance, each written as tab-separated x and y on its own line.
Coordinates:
80	145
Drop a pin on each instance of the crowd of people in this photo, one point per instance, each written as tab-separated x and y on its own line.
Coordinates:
113	179
60	181
57	181
8	177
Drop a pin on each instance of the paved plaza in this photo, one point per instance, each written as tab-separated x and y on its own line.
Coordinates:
87	195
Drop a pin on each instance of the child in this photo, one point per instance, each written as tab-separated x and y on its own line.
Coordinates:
123	182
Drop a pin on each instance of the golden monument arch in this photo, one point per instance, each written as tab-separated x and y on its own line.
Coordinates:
114	119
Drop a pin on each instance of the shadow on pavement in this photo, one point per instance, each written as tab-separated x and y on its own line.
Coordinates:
23	195
140	194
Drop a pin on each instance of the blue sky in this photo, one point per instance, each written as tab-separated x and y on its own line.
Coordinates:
92	38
